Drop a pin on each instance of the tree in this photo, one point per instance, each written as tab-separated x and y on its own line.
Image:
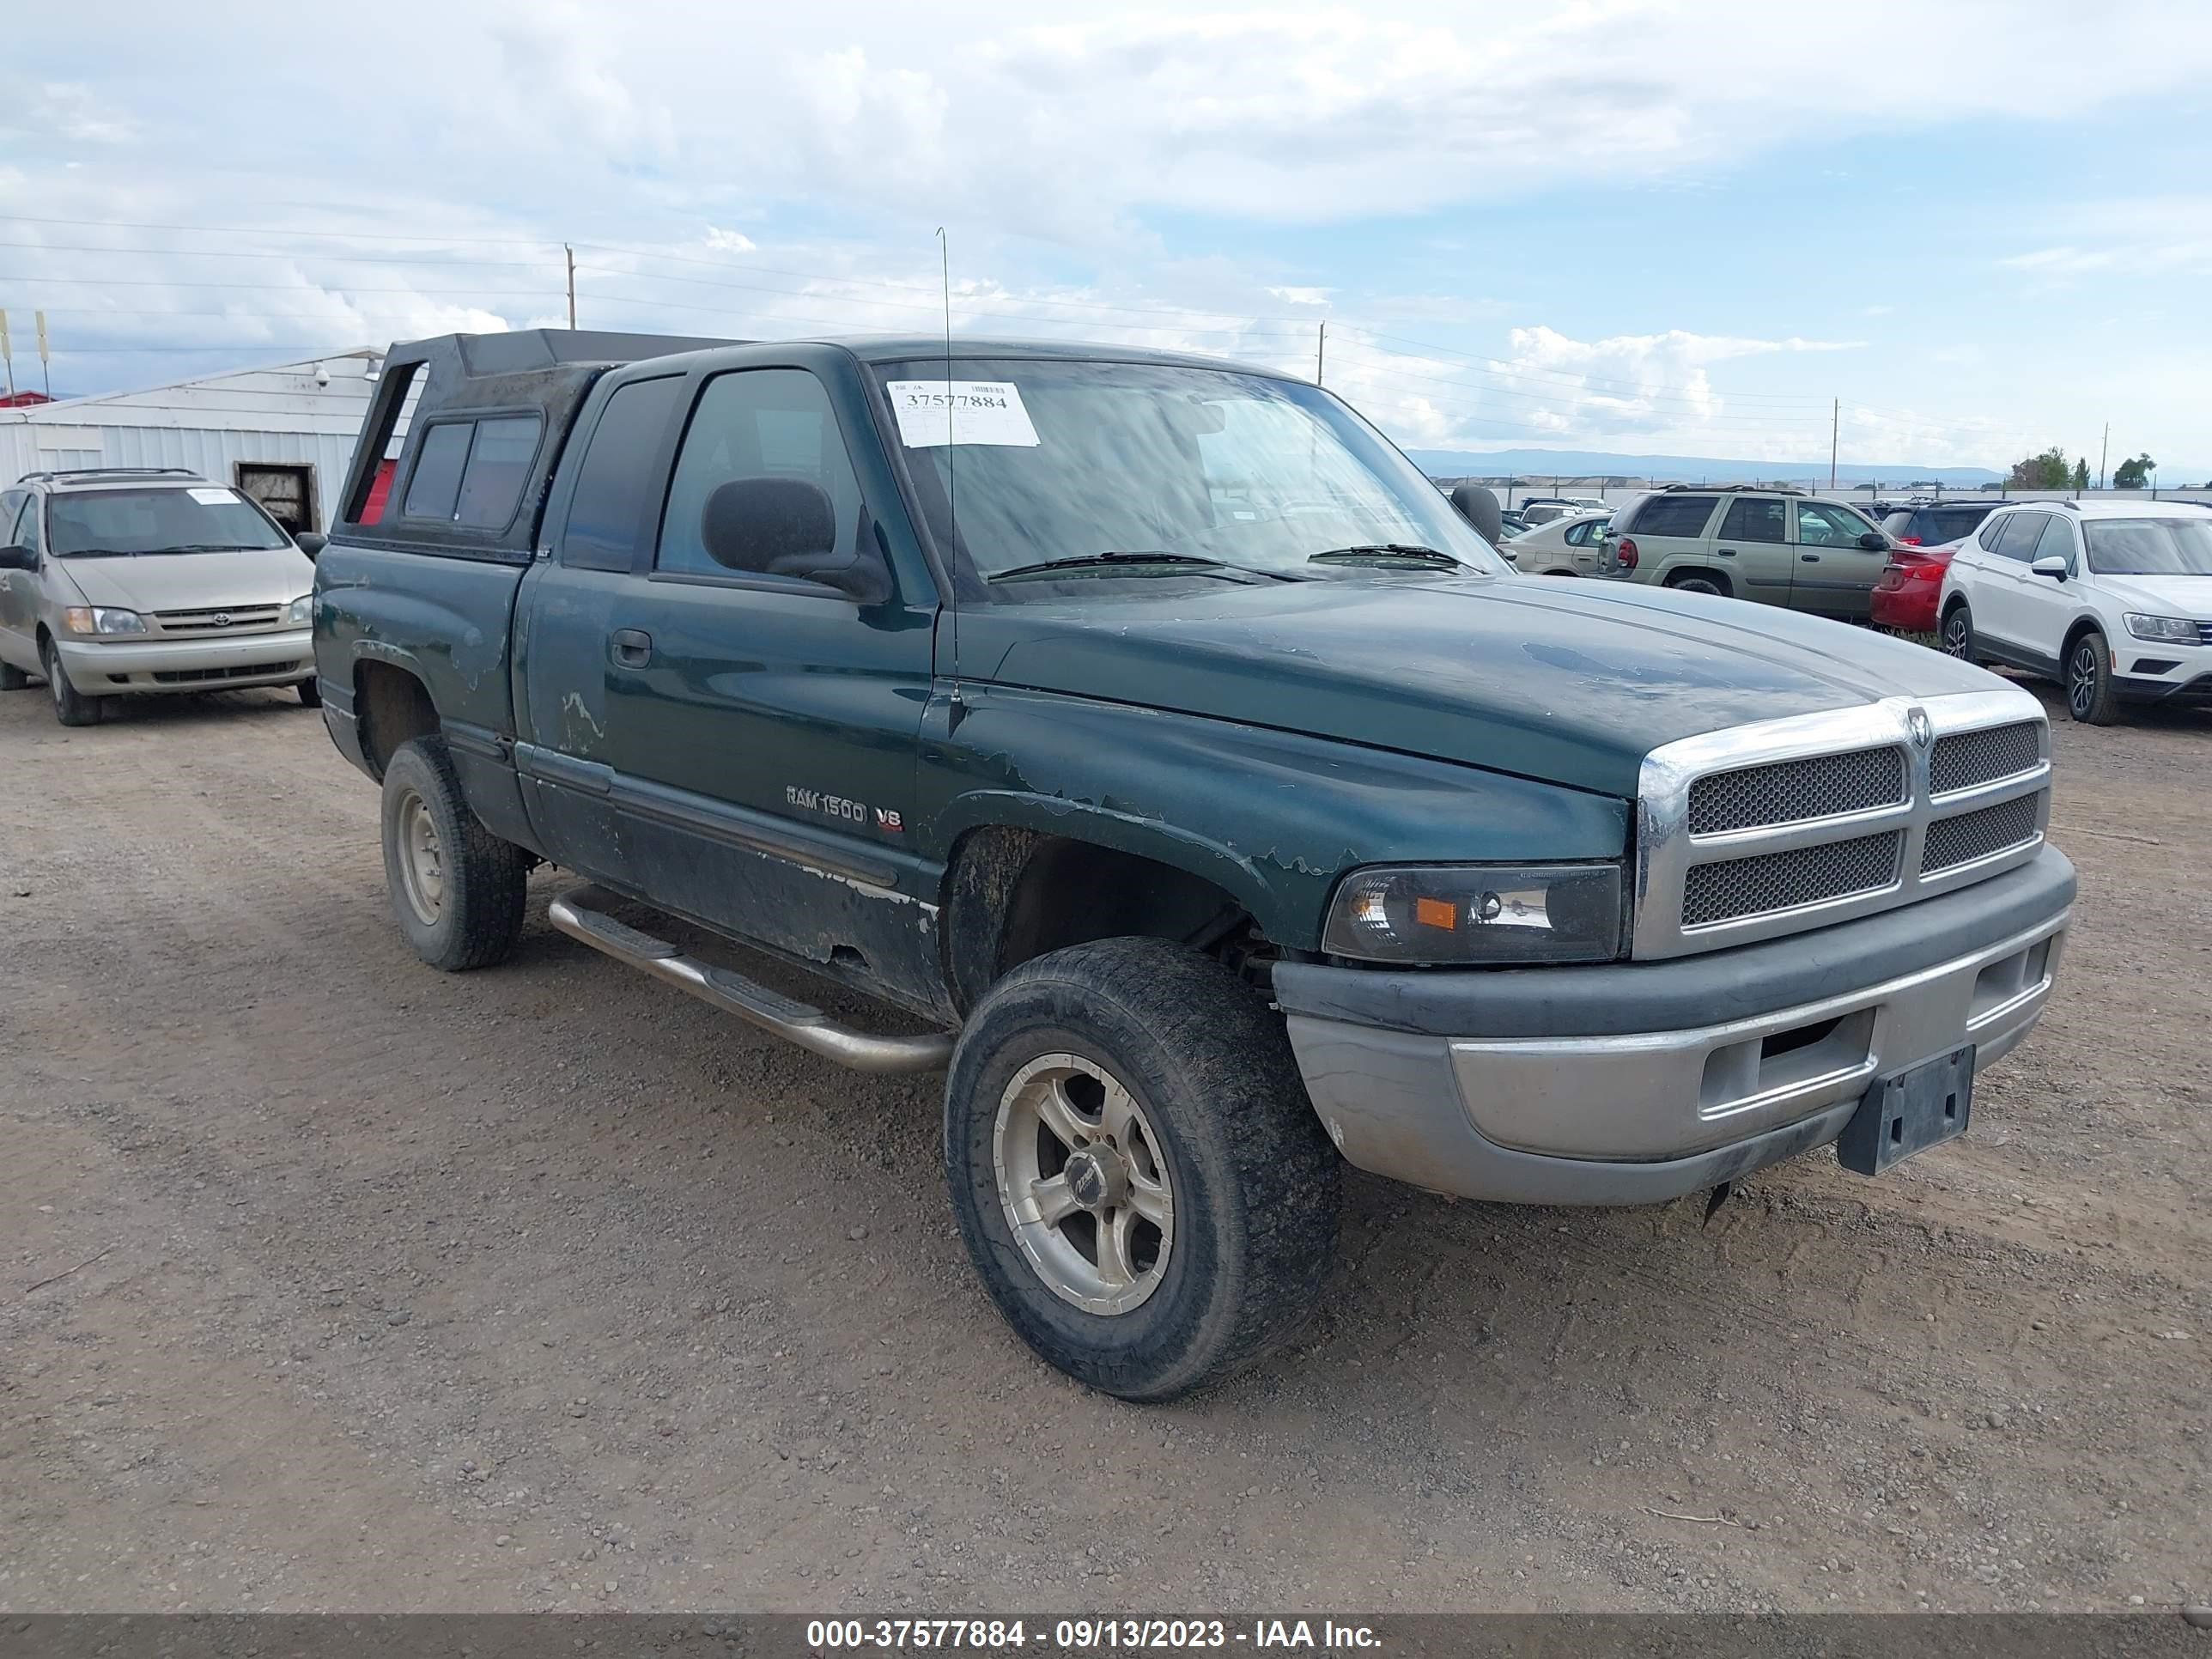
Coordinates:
2080	475
2134	475
2048	470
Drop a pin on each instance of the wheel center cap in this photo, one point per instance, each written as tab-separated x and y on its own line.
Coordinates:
1096	1177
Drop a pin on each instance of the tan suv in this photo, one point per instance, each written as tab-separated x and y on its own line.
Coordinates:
1774	546
121	582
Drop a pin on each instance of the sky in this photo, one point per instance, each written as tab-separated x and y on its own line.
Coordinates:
1948	233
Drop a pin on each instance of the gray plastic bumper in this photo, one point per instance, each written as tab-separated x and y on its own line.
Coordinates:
1636	1082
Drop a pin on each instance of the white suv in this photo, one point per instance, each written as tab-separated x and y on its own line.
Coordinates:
2113	600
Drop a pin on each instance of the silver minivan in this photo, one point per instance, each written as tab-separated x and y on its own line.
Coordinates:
125	582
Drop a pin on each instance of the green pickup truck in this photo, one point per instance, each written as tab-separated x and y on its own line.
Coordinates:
1214	803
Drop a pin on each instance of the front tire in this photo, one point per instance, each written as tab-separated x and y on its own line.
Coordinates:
457	891
311	693
2091	696
71	707
1140	1179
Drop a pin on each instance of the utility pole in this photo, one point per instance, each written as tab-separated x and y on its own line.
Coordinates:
7	354
571	252
2103	453
45	368
1835	426
1321	350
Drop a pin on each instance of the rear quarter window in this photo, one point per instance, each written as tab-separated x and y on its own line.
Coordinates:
1674	515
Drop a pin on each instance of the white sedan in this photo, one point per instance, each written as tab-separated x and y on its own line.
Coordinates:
1572	546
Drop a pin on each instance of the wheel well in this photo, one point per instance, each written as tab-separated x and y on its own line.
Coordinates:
2081	625
1012	895
392	706
1676	577
1956	602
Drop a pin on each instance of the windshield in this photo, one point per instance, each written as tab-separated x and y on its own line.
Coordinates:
199	519
1070	460
2149	547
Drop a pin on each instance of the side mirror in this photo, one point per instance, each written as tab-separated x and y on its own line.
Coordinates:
311	542
2054	566
18	558
1874	541
1478	506
773	526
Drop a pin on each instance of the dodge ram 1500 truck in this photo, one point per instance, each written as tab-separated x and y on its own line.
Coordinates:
1209	792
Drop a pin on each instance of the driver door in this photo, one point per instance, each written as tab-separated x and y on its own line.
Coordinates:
1833	576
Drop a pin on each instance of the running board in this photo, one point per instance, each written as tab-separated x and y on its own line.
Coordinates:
578	914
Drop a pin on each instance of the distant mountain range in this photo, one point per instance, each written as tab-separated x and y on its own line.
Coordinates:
1537	465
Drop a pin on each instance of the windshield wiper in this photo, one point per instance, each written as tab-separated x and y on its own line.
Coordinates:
206	546
94	553
1378	552
1121	557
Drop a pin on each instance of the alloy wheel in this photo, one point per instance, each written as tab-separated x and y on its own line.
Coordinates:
1084	1183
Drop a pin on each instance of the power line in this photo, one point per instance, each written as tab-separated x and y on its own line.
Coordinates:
265	230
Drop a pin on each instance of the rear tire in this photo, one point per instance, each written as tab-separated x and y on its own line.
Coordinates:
456	890
1195	1211
1958	632
311	693
1698	581
2091	696
71	707
12	679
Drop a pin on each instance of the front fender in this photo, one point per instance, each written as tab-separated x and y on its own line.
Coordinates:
1273	817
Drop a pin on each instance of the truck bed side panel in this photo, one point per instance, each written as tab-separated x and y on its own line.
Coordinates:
447	622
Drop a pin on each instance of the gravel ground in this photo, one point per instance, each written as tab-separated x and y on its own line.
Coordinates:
332	1283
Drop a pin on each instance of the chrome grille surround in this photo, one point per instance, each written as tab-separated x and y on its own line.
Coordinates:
1827	884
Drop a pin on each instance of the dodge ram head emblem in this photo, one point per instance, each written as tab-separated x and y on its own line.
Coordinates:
1922	729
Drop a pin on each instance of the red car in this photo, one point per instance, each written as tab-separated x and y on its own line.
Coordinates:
1904	598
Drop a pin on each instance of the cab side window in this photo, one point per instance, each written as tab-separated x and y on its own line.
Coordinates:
606	513
755	423
1751	520
15	513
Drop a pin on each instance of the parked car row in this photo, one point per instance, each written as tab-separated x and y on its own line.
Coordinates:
2112	599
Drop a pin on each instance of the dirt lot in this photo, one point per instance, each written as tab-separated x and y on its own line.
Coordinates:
548	1287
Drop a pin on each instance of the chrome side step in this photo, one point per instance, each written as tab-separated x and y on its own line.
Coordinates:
580	914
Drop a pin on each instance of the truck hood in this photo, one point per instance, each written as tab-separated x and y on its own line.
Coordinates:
192	581
1569	681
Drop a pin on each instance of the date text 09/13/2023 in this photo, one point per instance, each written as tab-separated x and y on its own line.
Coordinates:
1093	1634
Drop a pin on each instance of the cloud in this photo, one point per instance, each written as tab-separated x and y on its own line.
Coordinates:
729	241
1301	296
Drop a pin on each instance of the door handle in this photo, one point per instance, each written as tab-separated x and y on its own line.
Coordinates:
1810	558
631	646
1726	552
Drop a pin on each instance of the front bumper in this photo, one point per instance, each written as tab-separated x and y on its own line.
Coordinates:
1637	1082
117	667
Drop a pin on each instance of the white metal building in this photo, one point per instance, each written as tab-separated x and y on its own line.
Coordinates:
283	434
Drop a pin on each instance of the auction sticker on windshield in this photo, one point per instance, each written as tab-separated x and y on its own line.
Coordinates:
934	413
212	497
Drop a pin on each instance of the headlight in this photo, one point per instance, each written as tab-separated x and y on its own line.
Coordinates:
2174	631
302	611
1475	914
100	619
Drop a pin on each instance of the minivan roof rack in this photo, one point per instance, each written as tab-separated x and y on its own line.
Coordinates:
57	475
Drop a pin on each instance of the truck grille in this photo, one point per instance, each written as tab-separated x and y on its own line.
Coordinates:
1796	792
1965	759
234	619
1769	882
1796	822
1953	841
245	671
